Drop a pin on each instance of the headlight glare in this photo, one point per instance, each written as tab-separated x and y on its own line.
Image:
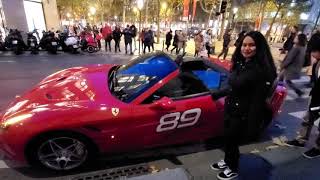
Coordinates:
15	120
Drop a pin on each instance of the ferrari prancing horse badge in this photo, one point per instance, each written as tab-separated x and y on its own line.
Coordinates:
115	111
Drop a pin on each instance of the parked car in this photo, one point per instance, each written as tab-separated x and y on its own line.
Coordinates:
77	113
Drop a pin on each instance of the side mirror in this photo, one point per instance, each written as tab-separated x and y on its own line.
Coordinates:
164	103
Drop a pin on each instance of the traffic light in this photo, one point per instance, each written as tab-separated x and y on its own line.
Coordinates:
223	6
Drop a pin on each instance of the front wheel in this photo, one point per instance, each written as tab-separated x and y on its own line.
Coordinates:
91	49
60	152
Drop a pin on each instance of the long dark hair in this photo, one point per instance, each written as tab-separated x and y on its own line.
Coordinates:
262	57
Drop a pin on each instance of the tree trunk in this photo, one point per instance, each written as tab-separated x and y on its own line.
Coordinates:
146	15
124	12
262	15
222	27
230	17
158	23
272	22
210	14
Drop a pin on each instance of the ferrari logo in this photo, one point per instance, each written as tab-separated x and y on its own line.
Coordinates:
115	111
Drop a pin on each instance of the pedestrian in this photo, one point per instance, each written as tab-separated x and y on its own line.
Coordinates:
147	40
128	35
96	35
175	41
141	36
134	34
226	42
208	41
168	39
246	109
198	43
240	37
106	32
292	65
117	38
152	38
288	44
180	41
314	106
309	66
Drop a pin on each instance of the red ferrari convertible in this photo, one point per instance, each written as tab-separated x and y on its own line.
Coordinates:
76	113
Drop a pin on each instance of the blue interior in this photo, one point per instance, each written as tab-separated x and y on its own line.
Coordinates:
209	77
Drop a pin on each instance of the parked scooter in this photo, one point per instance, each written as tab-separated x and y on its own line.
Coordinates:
68	43
2	47
88	43
15	42
32	43
49	42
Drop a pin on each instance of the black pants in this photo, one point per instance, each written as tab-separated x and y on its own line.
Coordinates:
108	43
224	52
126	46
117	46
234	129
145	46
168	45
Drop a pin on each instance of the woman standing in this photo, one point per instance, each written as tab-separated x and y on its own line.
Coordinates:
246	111
198	41
292	65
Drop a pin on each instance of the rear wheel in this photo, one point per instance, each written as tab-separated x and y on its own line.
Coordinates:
60	152
91	49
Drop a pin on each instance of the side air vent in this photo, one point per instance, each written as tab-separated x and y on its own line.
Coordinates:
61	79
49	96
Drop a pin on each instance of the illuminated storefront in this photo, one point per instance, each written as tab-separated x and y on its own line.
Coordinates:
27	15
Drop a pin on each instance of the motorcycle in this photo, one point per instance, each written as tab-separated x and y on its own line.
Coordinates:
32	43
2	46
68	43
49	42
15	42
88	43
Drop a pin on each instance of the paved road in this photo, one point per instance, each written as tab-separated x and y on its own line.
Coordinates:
20	73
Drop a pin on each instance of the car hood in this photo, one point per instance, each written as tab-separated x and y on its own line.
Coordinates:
73	85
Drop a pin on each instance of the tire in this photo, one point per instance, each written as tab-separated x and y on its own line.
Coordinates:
53	151
91	49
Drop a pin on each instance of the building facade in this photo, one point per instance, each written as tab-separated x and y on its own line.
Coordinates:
27	15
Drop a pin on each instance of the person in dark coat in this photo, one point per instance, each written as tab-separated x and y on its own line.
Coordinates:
292	65
226	42
246	109
117	37
147	40
288	44
128	35
168	39
314	106
175	41
240	37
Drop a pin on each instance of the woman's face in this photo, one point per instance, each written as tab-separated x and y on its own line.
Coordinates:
248	48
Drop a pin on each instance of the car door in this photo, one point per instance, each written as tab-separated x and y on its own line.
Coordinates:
180	111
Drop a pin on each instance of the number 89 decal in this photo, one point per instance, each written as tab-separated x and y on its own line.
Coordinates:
174	120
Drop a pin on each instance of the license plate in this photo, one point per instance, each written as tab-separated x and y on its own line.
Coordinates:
54	43
32	44
75	46
15	42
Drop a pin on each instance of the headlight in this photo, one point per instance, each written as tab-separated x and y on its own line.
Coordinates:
15	120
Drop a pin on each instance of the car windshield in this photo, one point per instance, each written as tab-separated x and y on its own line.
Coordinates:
139	75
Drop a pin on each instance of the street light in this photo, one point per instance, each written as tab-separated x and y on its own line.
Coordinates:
92	10
235	10
68	15
140	6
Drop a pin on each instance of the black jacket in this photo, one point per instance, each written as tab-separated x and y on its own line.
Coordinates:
168	38
315	91
247	97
